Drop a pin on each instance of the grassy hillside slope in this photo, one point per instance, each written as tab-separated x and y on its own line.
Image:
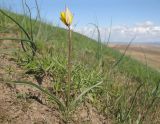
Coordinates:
130	90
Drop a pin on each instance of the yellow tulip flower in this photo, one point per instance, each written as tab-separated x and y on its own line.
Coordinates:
66	17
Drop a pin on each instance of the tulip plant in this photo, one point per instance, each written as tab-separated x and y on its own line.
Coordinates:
67	18
68	104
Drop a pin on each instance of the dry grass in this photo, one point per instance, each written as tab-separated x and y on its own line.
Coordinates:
142	52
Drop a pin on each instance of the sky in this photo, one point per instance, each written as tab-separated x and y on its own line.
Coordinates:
129	18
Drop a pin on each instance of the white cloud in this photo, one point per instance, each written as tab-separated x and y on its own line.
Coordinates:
145	32
145	24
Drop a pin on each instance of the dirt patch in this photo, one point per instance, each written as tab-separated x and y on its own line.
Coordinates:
16	111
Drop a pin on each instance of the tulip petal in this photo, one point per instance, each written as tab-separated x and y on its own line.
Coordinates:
66	17
63	17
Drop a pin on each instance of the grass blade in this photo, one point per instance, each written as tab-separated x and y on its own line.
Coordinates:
121	57
22	40
34	48
19	39
84	92
16	23
53	97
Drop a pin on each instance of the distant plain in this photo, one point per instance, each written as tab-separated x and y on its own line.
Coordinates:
147	53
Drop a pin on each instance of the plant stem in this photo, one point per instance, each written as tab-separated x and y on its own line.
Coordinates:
69	65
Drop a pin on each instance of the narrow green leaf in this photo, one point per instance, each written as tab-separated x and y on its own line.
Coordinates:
33	46
84	92
26	33
18	39
53	97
